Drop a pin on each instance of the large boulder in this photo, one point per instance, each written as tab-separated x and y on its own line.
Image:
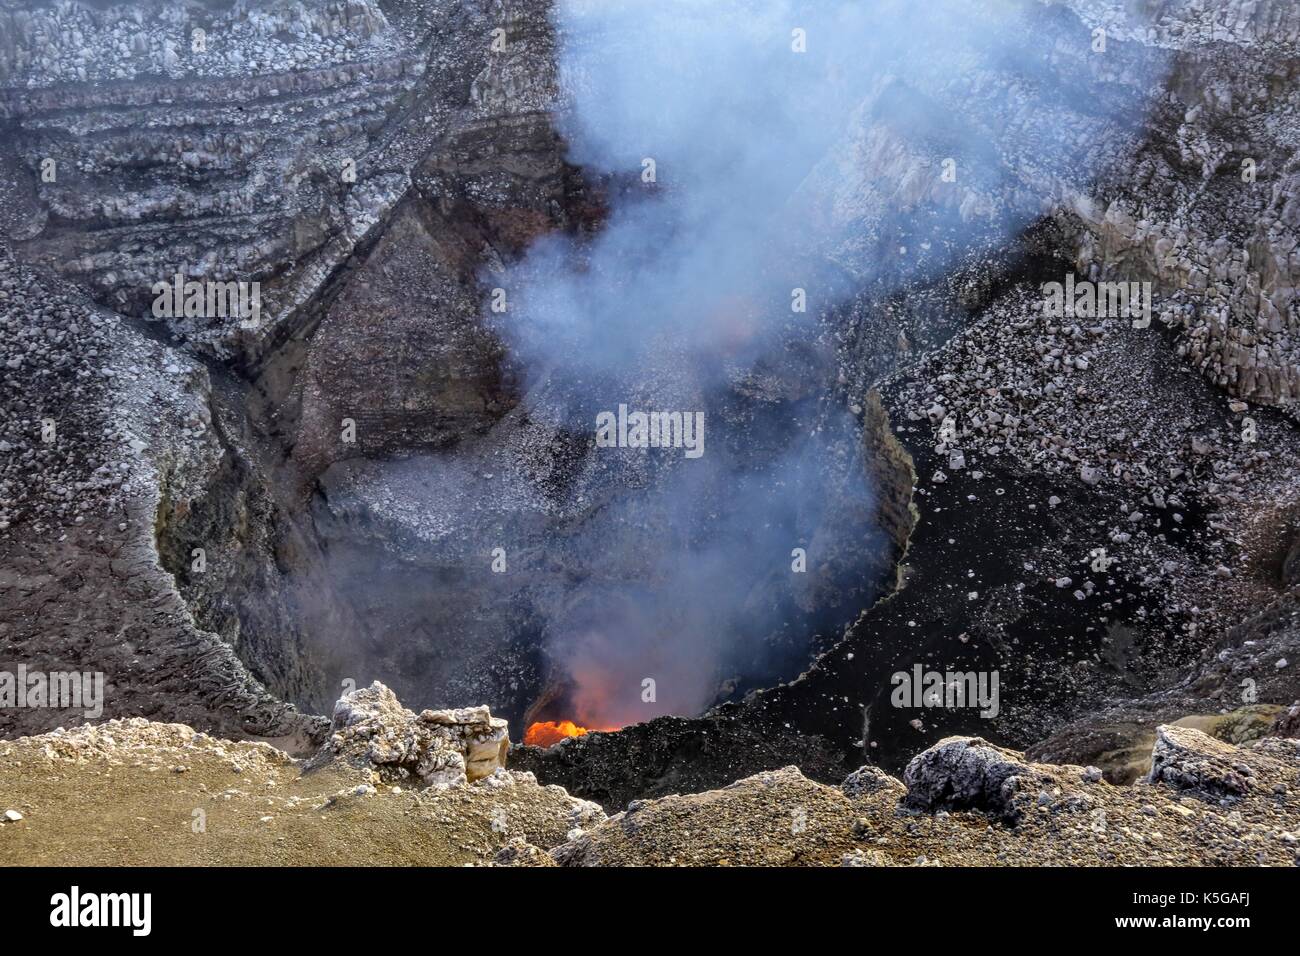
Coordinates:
1187	759
437	748
969	773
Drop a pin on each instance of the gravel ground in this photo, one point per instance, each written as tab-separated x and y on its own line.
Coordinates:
136	792
140	793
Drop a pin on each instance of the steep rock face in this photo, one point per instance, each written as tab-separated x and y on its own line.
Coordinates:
245	568
400	348
103	432
396	361
254	155
231	166
1209	212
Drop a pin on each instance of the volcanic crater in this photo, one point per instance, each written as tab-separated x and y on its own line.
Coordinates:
390	480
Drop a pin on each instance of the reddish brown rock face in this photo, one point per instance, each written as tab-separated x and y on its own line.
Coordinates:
401	347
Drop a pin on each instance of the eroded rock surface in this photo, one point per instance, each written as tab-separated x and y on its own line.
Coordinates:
968	773
436	748
104	434
1188	760
1209	212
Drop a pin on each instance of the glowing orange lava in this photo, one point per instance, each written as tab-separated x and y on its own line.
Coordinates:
544	733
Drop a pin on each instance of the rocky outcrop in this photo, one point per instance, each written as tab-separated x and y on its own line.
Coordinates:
1288	722
436	748
867	780
965	773
1189	760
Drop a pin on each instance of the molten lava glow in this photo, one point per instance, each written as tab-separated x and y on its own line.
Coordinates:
547	732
